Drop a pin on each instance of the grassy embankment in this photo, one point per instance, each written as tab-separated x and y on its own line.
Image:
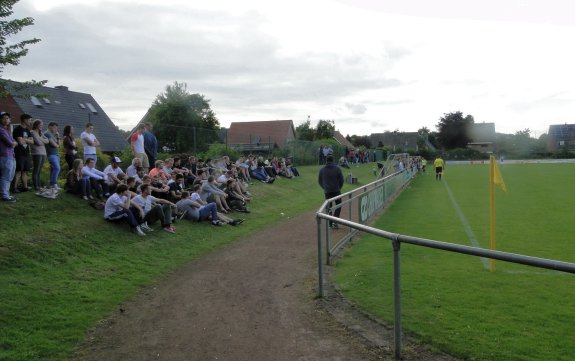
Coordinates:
63	268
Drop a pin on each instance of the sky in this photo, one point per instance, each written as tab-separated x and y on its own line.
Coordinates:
369	65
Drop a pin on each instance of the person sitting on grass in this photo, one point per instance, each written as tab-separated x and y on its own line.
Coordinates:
211	192
95	178
177	187
193	208
257	171
132	170
118	209
158	171
75	183
114	173
343	162
154	209
243	169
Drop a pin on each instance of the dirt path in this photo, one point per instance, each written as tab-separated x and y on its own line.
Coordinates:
254	300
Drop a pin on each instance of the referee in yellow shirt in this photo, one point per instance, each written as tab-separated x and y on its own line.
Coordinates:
439	165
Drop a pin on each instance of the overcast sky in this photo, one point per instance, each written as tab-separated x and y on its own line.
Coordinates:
369	65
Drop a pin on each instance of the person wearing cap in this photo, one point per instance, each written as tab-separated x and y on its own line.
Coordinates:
52	151
115	173
7	158
330	180
24	138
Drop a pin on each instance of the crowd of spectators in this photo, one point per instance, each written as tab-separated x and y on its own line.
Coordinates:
145	191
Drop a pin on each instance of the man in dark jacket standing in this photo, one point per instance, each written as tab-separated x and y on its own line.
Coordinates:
331	180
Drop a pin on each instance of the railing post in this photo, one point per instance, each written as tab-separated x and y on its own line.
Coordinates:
319	258
327	242
350	214
397	296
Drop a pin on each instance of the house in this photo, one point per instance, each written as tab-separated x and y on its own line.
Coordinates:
561	136
65	107
342	141
397	141
260	136
482	137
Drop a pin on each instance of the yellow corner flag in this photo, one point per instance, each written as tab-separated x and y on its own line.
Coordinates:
495	178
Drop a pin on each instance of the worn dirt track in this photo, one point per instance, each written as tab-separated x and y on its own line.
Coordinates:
253	300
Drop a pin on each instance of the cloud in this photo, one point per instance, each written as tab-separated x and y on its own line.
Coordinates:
356	108
127	54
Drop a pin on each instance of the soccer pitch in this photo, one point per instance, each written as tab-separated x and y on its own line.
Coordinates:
453	301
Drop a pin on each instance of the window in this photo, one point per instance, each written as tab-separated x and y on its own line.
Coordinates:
81	105
36	101
46	100
91	107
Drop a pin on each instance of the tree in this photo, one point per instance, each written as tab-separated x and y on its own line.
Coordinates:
304	131
10	53
183	122
324	129
423	132
360	141
453	130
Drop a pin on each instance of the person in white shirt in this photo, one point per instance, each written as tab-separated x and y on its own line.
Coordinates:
132	170
89	142
118	209
95	178
154	209
114	173
137	143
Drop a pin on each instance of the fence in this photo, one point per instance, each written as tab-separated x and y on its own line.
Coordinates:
372	198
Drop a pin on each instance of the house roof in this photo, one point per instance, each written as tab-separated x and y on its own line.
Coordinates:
562	131
341	140
271	131
482	132
402	140
65	107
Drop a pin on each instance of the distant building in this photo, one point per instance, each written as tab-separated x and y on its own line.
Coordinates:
482	137
260	135
65	107
398	142
561	136
341	140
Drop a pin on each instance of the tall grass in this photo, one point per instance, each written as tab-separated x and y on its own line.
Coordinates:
452	301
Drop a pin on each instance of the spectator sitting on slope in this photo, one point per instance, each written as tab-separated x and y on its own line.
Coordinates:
118	208
154	209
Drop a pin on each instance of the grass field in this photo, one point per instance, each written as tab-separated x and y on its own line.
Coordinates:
452	301
63	268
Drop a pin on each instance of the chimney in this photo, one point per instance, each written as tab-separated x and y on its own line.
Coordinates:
61	87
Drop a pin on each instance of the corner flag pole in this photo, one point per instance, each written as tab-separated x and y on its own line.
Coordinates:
491	210
494	178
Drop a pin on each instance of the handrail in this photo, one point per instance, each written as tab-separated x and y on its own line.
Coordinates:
397	239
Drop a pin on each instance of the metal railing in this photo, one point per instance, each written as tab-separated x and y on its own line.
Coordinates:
397	239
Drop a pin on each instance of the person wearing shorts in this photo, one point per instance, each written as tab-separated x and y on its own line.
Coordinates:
439	165
137	143
24	138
